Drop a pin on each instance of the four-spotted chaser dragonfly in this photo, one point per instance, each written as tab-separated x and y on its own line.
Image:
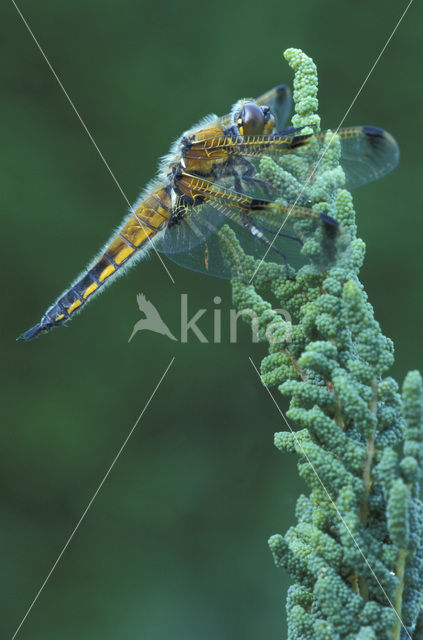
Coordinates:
212	177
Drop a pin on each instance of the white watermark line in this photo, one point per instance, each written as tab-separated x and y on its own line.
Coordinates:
87	131
299	445
332	138
92	500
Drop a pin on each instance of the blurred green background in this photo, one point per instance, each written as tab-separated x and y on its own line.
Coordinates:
175	543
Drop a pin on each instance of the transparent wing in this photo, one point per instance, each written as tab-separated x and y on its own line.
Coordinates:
196	225
183	243
279	100
229	233
229	145
365	154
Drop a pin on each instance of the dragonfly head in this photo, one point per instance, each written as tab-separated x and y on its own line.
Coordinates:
253	119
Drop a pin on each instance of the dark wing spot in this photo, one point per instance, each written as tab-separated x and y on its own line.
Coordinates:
373	131
328	220
282	91
375	135
256	204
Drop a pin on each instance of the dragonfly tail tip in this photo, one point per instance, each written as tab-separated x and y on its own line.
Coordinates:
31	333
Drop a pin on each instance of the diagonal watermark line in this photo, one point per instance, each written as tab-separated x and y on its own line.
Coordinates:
332	138
350	533
106	475
87	131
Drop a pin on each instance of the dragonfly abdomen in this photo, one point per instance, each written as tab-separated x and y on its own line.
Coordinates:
128	243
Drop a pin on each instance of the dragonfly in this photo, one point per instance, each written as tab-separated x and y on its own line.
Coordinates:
212	179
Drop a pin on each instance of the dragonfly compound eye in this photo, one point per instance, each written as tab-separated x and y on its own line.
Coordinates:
251	120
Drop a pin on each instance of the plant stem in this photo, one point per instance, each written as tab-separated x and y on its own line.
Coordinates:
400	569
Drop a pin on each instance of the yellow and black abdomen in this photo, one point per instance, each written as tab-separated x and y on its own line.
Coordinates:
128	243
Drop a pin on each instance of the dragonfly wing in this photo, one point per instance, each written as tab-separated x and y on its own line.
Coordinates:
367	154
192	242
288	236
196	225
279	100
247	146
205	257
214	253
283	236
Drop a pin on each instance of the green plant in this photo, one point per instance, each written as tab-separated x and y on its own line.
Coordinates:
356	553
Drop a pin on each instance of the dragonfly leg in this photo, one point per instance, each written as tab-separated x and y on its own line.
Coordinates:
279	233
177	214
254	230
247	176
241	169
266	186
